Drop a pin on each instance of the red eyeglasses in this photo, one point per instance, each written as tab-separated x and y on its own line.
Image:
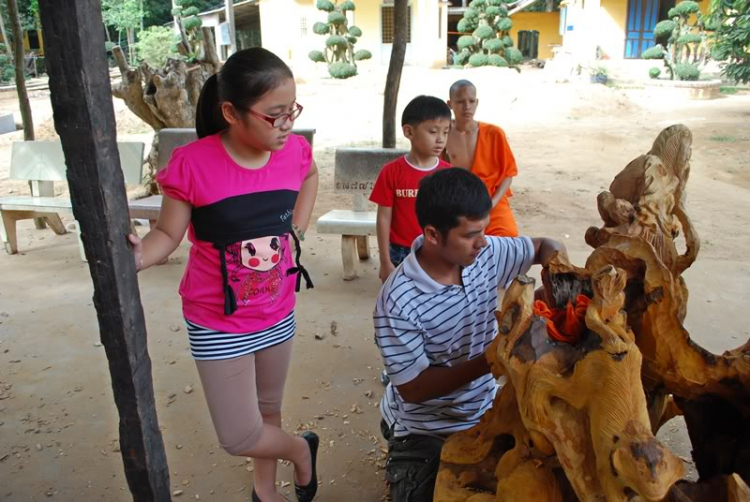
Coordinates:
279	120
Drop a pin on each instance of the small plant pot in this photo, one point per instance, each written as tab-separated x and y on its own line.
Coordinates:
598	79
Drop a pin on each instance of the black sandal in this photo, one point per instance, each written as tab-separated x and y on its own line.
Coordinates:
255	497
307	493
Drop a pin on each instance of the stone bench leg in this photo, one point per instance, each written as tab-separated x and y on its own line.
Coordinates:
10	237
363	247
349	255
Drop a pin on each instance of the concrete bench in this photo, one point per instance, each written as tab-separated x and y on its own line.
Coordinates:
355	172
42	163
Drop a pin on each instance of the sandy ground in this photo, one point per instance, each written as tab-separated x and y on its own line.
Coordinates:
58	422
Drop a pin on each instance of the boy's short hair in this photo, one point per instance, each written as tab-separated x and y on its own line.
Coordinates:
448	194
423	108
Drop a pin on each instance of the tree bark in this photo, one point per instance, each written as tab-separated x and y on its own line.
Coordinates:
84	118
5	36
393	81
23	95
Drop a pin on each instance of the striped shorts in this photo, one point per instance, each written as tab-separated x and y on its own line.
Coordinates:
207	344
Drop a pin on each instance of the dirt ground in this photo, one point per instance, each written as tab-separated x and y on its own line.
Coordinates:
58	422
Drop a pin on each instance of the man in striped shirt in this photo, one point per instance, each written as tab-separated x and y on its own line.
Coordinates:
434	319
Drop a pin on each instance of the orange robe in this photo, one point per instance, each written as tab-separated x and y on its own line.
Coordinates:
493	162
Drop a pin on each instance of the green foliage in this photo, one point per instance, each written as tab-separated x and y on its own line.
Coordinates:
514	56
465	42
321	28
477	60
664	28
325	5
467	25
505	24
156	44
687	7
461	58
471	13
317	56
654	72
686	71
484	32
339	52
192	23
655	52
342	70
493	45
497	60
690	38
672	13
190	11
489	24
731	39
7	69
336	18
336	41
362	55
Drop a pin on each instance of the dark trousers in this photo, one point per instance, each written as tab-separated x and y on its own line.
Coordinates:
412	465
398	254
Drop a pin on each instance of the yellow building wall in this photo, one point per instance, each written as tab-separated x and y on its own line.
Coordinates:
367	18
610	32
546	23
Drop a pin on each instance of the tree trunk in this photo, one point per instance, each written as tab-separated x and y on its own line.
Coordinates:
6	40
393	81
23	95
84	118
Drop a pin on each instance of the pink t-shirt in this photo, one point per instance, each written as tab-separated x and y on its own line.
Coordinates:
247	213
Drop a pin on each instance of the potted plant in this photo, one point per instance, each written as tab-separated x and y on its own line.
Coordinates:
598	74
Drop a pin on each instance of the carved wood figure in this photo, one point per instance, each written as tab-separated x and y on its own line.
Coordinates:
596	370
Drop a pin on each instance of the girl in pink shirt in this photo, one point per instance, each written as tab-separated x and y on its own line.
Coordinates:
244	192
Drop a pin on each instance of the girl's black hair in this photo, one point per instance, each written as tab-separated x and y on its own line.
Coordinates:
245	77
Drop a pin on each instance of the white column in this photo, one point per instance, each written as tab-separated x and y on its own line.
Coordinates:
229	8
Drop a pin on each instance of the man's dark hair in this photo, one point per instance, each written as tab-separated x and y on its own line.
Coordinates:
447	195
424	108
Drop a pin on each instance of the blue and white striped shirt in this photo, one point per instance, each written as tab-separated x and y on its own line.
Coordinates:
421	323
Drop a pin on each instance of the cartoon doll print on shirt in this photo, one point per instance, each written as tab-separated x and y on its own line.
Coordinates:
258	260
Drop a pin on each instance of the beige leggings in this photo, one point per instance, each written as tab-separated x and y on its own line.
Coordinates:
240	391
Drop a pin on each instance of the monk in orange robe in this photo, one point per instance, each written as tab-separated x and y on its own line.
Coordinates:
484	150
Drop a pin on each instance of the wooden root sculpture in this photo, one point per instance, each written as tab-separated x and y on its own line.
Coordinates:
577	418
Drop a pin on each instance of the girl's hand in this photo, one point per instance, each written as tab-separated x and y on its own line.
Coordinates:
137	250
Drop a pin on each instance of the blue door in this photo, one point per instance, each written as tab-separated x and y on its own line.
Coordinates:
642	18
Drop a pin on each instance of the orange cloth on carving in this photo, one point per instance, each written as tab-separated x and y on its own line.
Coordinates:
493	162
565	325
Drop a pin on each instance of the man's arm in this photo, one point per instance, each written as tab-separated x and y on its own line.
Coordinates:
383	227
545	248
435	381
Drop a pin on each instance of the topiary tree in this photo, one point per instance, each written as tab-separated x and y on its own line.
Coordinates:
155	45
164	92
486	40
339	52
686	32
731	38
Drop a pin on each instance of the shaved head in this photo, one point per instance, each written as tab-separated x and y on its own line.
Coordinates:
460	84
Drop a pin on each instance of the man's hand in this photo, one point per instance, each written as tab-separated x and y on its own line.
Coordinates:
386	269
